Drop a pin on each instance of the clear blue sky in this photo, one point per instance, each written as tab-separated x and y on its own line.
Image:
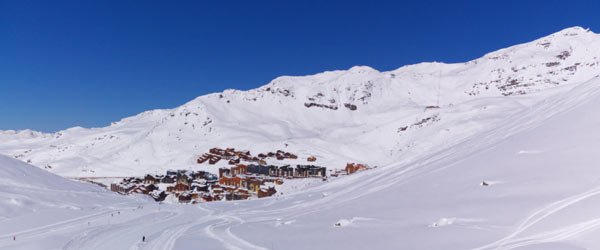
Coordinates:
87	63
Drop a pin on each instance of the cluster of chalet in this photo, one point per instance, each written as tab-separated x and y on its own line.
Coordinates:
351	168
260	179
287	171
238	182
183	186
238	179
234	157
279	155
274	172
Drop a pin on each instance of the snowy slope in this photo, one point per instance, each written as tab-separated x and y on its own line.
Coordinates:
543	193
40	210
27	188
28	194
314	114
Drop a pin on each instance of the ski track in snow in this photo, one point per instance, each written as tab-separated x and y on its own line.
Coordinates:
63	225
99	237
512	241
164	234
225	230
167	238
221	232
530	152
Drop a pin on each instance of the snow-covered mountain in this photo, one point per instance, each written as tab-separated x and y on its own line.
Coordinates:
507	161
355	115
541	191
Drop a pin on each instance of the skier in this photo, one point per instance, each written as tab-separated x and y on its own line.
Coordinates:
143	238
14	237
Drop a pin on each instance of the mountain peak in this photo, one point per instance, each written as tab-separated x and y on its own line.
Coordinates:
362	69
574	29
570	33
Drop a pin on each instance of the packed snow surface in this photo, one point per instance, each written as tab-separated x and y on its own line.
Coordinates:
495	153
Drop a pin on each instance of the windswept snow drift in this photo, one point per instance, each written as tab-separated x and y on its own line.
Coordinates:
521	119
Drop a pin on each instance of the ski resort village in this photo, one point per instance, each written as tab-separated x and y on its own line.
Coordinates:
247	177
494	152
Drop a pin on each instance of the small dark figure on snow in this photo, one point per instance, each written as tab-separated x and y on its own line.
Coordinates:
143	238
14	237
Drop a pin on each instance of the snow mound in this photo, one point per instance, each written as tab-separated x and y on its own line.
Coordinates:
352	222
443	222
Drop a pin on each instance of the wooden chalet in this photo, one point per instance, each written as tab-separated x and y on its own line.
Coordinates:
258	169
236	195
207	197
232	181
199	187
285	171
290	155
224	172
185	197
265	191
178	188
229	153
234	161
254	184
214	160
122	187
168	179
217	151
353	168
158	195
183	179
239	170
149	179
304	171
203	158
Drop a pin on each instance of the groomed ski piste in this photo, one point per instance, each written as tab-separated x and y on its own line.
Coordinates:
495	172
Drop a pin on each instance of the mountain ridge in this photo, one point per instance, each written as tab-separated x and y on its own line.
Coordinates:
361	109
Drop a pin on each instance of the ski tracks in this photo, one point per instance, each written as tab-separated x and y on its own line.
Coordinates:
63	225
221	232
101	237
513	241
168	238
